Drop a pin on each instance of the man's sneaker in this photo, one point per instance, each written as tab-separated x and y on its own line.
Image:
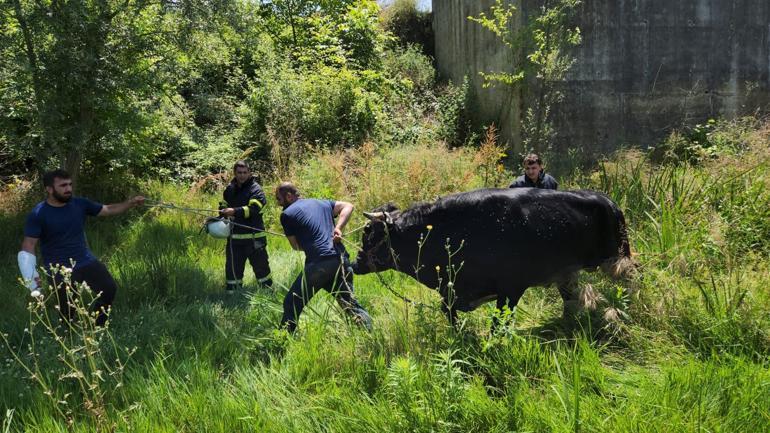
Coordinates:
231	288
362	318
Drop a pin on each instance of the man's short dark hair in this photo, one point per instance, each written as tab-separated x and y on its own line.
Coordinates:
287	187
241	164
532	158
50	176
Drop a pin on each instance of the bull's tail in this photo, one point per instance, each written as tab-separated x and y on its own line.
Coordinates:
623	266
625	248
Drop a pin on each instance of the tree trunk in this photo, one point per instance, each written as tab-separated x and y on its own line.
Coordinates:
37	87
518	93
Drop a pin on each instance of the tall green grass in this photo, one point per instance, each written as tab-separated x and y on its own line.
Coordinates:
689	350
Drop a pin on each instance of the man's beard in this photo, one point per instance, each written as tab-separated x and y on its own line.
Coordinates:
62	198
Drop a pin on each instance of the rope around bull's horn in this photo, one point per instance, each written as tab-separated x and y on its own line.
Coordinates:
385	283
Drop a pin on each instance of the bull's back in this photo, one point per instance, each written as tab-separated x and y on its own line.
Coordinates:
527	228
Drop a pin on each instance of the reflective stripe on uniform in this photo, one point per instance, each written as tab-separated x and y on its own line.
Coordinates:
248	235
234	281
246	211
262	280
256	202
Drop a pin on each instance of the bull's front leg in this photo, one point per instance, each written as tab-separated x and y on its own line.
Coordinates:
509	298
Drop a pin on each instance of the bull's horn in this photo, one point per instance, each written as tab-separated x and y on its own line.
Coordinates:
379	216
374	216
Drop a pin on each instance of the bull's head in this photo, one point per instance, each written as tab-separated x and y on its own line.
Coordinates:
376	254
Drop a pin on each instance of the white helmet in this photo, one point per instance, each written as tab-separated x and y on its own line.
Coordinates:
218	228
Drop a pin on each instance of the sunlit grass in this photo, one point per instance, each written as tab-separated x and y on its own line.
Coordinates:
691	352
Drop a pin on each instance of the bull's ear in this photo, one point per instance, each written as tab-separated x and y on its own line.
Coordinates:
379	216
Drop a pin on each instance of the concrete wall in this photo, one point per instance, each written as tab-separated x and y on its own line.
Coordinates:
643	68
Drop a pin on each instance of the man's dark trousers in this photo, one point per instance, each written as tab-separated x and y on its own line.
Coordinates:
240	250
98	279
333	274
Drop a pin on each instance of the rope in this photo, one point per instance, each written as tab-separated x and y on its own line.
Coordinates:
393	291
172	206
207	212
168	205
350	232
353	245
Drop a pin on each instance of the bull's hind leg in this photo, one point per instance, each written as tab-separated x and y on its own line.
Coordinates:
568	289
574	297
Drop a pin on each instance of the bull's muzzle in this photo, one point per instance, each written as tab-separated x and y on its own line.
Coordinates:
360	269
354	267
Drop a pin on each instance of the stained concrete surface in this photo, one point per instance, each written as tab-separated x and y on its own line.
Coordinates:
643	68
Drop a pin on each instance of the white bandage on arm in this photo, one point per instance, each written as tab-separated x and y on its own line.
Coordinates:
27	266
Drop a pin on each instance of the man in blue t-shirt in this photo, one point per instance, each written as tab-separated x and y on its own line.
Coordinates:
309	226
57	223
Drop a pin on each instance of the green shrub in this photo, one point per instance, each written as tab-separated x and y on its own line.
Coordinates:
409	25
455	124
360	36
326	107
410	69
707	141
215	153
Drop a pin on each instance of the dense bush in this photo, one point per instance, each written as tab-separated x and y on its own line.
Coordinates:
409	25
697	144
186	83
326	107
412	70
455	126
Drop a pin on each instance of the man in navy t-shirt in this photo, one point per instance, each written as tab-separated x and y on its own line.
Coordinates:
309	226
57	223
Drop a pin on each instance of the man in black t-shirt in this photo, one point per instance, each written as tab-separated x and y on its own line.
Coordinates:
534	176
309	226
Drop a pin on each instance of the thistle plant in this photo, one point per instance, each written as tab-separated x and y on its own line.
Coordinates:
451	271
420	243
76	364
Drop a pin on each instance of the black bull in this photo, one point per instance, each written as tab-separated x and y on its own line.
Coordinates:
495	243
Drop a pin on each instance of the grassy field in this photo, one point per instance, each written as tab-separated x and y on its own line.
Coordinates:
684	348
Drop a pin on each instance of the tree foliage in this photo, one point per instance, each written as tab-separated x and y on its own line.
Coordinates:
158	88
80	72
409	25
540	49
